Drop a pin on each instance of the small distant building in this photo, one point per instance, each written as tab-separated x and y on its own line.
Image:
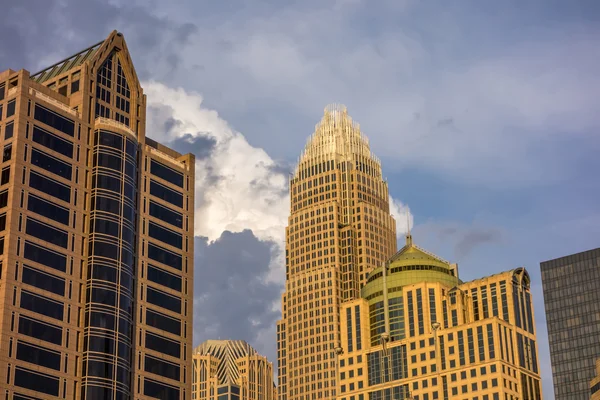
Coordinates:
231	370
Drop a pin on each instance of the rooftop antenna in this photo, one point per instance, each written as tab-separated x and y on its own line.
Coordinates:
408	234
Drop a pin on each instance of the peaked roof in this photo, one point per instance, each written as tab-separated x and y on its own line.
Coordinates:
94	56
68	63
227	351
336	136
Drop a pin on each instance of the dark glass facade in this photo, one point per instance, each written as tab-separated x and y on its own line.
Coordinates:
111	271
572	301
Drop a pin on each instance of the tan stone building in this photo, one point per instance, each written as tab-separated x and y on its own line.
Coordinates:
96	237
339	229
231	370
430	336
595	383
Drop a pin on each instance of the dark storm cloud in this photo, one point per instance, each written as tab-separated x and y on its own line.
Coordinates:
38	33
465	239
200	145
473	238
232	299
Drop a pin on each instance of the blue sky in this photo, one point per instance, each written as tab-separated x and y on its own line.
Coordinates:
485	115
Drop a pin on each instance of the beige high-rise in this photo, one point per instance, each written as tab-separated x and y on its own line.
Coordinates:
339	229
418	332
96	242
231	370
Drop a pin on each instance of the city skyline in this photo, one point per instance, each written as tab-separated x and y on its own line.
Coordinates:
483	118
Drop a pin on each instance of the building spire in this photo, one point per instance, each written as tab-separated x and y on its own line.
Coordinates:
409	241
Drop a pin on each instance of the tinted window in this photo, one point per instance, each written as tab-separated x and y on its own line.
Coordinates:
9	130
159	390
110	161
47	209
46	232
109	139
108	183
166	173
162	322
10	108
35	381
50	187
38	356
104	296
162	345
100	225
51	164
165	214
165	235
164	278
106	204
166	194
162	368
163	300
43	281
41	305
4	198
100	369
54	120
52	142
45	257
40	330
101	320
164	256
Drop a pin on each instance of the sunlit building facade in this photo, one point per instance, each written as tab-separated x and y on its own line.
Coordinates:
595	383
418	332
572	301
96	241
339	229
231	370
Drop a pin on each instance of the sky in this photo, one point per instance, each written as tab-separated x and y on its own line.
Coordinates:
485	116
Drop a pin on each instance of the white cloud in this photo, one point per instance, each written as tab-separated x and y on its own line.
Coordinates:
236	187
404	219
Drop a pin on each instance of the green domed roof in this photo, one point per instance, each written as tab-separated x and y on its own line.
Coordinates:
408	266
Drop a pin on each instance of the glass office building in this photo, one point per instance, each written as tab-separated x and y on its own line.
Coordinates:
418	332
572	300
96	237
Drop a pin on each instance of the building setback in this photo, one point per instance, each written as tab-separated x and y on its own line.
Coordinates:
339	229
419	332
96	238
572	300
231	370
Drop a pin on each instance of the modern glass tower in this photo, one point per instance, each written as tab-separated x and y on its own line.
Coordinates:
572	300
419	332
96	238
339	229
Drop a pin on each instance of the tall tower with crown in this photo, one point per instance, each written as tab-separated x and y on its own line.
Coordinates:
340	228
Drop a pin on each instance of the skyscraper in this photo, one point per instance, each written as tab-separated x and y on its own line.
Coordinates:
231	370
419	332
96	240
339	229
572	300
